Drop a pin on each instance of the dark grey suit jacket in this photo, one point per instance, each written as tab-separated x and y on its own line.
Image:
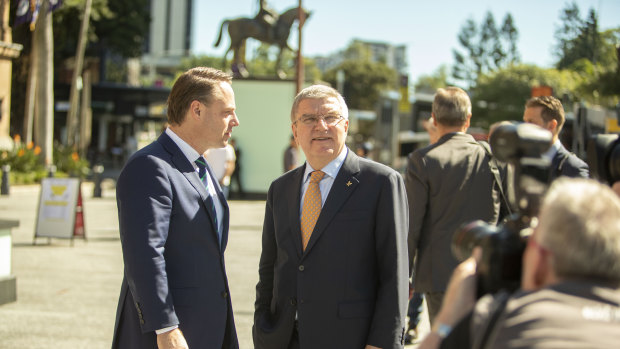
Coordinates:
174	263
565	163
449	183
349	287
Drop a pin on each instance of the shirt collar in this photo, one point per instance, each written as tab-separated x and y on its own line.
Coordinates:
190	153
550	153
330	169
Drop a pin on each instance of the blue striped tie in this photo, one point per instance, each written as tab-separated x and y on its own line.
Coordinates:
202	173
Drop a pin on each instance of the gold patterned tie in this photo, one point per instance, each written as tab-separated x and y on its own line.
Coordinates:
312	207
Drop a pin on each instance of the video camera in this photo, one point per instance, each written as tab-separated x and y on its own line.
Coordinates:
522	146
603	156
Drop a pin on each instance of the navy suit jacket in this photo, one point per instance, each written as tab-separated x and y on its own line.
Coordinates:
349	287
565	163
174	262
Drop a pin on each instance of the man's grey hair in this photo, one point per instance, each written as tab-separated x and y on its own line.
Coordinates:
451	106
580	225
319	92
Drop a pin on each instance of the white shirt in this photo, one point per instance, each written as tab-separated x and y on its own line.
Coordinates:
192	155
217	159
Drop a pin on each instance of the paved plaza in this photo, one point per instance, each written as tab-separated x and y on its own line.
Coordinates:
67	295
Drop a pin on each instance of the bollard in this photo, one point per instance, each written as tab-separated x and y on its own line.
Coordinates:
52	171
4	188
97	178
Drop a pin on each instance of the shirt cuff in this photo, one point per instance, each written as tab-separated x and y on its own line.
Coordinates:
166	329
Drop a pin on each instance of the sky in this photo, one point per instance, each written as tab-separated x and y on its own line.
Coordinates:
428	28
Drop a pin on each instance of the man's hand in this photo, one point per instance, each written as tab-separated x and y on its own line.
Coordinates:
171	340
368	346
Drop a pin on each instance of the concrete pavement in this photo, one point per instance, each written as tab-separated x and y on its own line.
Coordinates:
67	296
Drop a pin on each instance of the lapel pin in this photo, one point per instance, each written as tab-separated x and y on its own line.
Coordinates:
349	183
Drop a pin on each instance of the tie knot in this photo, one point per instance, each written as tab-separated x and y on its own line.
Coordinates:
201	162
316	176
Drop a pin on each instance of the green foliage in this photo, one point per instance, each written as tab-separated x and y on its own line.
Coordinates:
23	157
485	48
68	161
364	82
119	26
430	83
26	162
501	95
591	55
577	38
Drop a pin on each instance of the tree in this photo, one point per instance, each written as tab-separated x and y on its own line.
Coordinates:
591	54
364	82
430	83
501	95
581	40
485	48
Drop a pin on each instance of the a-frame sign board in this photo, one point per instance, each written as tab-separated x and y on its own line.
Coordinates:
60	213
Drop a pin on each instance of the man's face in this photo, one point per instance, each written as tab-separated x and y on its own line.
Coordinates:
533	115
219	116
320	142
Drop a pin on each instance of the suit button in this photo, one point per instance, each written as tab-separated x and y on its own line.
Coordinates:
301	268
224	294
293	301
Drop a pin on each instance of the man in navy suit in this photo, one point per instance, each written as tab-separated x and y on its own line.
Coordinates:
548	113
173	221
344	283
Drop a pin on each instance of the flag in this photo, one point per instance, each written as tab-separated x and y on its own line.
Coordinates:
23	14
28	11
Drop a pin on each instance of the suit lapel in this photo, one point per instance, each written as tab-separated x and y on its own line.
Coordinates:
344	185
293	198
181	162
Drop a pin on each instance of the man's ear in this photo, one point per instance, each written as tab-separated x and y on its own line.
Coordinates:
194	108
552	125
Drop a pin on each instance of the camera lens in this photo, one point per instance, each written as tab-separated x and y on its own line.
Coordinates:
469	236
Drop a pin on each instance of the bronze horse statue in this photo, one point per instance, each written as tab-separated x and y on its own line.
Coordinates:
241	29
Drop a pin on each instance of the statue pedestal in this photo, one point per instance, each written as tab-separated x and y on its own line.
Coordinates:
8	283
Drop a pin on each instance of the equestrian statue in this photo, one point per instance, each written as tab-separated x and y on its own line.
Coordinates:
267	27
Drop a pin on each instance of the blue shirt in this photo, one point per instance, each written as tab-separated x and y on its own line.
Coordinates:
325	185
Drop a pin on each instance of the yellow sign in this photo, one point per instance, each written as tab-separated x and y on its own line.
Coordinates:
611	125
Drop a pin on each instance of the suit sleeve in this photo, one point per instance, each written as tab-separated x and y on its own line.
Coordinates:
144	199
417	195
264	288
387	327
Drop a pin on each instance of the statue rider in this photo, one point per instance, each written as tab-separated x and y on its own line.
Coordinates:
267	18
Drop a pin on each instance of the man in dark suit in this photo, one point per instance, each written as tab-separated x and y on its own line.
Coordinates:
548	113
449	183
173	221
342	282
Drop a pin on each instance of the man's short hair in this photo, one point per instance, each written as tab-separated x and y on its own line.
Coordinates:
451	106
580	225
552	109
196	84
319	92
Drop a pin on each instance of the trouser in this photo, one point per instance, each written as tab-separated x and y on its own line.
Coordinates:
414	310
433	303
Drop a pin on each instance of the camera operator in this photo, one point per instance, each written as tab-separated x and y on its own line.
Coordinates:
570	285
548	113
